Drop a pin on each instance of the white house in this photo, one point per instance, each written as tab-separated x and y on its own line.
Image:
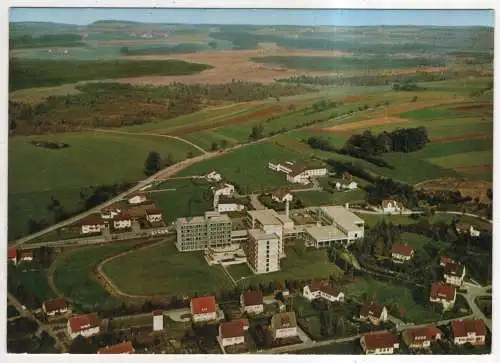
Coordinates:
284	325
443	294
379	343
252	302
373	312
213	176
401	253
26	256
282	195
137	198
322	290
468	331
474	232
301	174
390	206
203	309
154	215
454	274
92	224
223	189
421	337
84	325
55	307
122	221
233	332
350	186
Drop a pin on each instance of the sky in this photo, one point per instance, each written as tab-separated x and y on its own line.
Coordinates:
358	17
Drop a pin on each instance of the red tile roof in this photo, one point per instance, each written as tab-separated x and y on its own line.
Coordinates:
203	305
297	170
454	269
55	304
83	322
27	254
402	249
152	211
440	290
122	217
92	220
460	328
371	308
251	298
121	348
12	252
422	334
325	287
233	328
157	312
380	340
446	260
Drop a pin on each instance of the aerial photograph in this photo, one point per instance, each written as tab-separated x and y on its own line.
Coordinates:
250	181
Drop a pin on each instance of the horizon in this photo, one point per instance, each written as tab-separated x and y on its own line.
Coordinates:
258	17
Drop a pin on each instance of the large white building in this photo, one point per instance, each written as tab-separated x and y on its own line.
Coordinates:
263	251
200	233
301	174
281	166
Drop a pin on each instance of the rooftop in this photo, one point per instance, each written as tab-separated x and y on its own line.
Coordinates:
265	216
232	329
284	320
440	290
402	249
251	298
325	233
55	304
82	322
259	234
380	340
120	348
203	305
461	328
345	218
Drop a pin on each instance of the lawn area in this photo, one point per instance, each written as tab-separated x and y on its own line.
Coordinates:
35	282
418	241
164	270
485	304
191	198
467	159
372	219
299	264
92	159
247	167
315	197
74	278
476	222
387	293
239	271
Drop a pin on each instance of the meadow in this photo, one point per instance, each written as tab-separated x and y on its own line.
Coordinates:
313	198
162	270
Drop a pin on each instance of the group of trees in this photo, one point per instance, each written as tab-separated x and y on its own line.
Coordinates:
154	163
45	40
406	86
257	132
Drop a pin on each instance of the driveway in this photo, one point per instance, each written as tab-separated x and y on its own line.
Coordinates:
176	315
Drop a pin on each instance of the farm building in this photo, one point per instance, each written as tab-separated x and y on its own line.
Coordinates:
92	224
454	274
281	166
468	331
373	312
282	195
233	332
252	302
55	307
137	198
120	348
443	294
284	325
225	189
401	253
421	337
379	343
84	325
323	290
203	308
262	251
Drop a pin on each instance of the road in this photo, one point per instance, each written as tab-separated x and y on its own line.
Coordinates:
474	291
27	314
256	204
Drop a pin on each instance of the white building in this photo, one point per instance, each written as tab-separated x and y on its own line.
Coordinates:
223	189
92	224
283	167
84	325
301	174
474	232
213	176
373	312
349	186
284	325
282	195
379	343
122	221
110	212
55	307
322	290
26	256
252	302
233	332
443	294
154	215
229	207
401	253
421	337
137	198
390	206
454	274
158	320
203	309
263	251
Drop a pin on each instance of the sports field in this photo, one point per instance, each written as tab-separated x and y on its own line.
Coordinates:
162	270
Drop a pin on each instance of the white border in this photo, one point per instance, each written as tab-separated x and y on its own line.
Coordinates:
297	4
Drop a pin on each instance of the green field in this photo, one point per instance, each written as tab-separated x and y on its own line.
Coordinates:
92	159
418	241
313	198
74	278
163	270
239	271
35	283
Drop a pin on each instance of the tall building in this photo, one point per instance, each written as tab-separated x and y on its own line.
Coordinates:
263	251
269	221
199	233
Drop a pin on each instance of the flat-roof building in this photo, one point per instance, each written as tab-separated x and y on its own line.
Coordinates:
263	251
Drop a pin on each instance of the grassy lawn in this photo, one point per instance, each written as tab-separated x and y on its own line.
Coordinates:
239	271
418	241
35	282
299	264
163	270
92	159
247	167
372	219
191	198
74	278
315	197
467	159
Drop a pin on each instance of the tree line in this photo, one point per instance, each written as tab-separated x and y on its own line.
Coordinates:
45	40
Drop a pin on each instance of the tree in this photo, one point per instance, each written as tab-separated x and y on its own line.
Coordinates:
152	164
212	45
223	143
257	132
214	146
340	326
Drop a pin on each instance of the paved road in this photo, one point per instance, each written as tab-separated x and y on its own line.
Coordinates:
256	204
474	291
27	314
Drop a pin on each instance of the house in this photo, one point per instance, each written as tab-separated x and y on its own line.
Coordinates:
379	343
373	312
26	256
110	212
350	186
443	294
55	307
12	255
445	260
284	167
282	195
223	189
252	302
203	308
122	221
322	290
390	206
454	274
92	224
284	325
464	228
421	337
213	176
474	232
154	215
233	332
120	348
137	198
468	331
302	174
401	253
84	325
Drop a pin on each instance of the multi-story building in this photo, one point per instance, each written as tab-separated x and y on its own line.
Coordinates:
200	233
263	251
284	325
346	221
84	325
302	174
269	221
401	253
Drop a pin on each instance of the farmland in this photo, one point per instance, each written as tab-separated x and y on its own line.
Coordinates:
165	271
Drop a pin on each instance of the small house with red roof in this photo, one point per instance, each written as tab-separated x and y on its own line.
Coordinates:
443	294
468	331
137	198
379	343
120	348
26	256
55	307
454	274
402	253
373	312
154	215
203	308
122	221
92	224
12	255
233	332
390	206
84	325
421	337
322	289
252	302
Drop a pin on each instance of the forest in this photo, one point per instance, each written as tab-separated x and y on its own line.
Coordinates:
46	40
